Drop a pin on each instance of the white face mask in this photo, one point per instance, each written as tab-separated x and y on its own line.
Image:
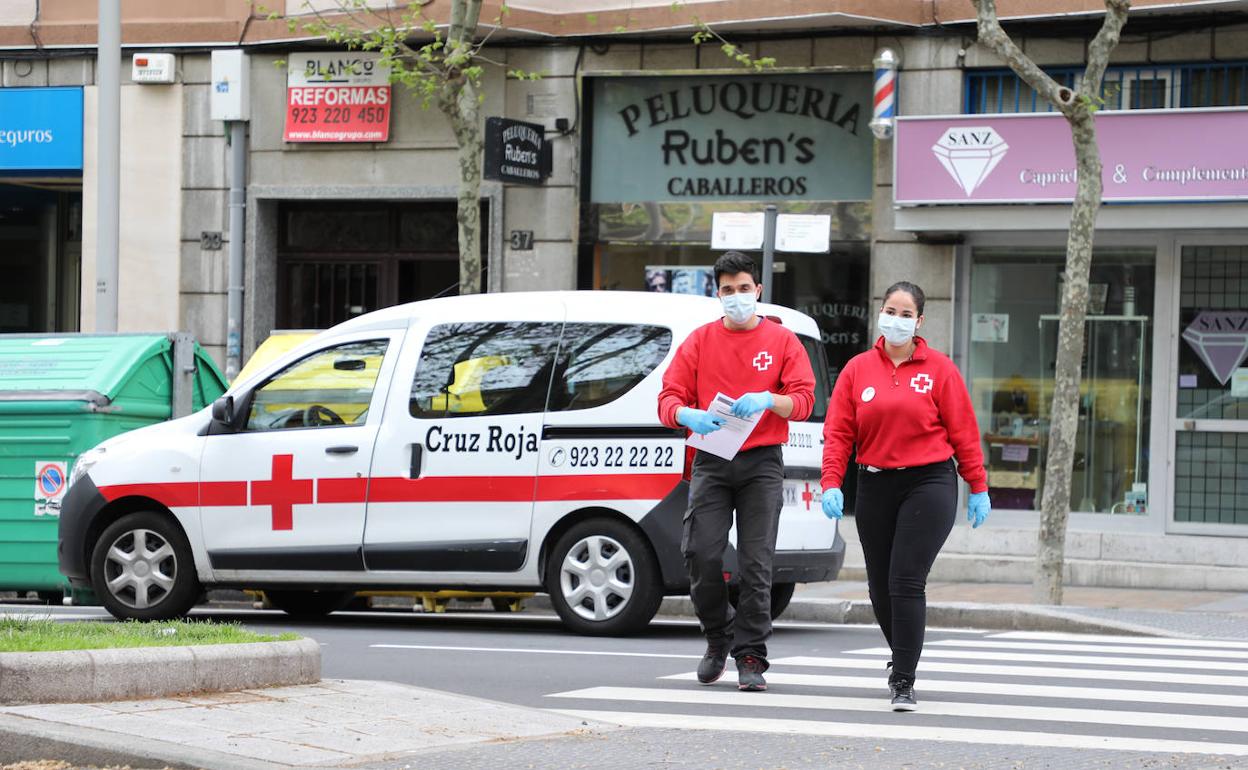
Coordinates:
740	306
896	330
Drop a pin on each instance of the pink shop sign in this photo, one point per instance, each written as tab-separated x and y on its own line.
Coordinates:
1154	155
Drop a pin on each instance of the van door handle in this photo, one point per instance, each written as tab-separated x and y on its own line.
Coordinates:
418	456
342	450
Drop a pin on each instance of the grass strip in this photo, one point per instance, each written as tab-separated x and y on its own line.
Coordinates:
47	634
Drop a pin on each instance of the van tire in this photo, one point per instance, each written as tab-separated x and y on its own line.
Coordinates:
606	548
309	605
166	579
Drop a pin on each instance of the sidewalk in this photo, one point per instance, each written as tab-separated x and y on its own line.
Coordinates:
1138	611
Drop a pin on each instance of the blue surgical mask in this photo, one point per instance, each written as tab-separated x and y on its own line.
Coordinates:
896	330
740	306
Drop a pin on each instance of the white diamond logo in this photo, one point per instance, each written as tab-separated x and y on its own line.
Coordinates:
970	154
1220	338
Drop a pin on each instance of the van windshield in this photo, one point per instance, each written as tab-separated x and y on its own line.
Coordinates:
823	388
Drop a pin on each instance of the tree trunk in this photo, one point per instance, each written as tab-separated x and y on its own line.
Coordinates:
1064	428
466	123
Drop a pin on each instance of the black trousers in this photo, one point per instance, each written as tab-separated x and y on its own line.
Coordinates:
904	517
752	484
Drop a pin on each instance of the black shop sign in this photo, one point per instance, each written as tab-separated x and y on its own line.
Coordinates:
516	151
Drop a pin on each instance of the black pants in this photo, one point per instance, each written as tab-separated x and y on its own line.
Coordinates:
752	484
904	517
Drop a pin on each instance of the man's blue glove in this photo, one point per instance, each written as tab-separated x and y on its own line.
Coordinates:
833	503
752	403
698	420
978	508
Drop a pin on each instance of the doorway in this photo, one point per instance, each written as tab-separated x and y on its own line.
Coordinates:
340	259
1209	447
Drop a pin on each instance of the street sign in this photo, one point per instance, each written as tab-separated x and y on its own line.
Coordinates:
337	97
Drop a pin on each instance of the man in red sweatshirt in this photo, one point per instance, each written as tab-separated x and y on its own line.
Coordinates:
763	366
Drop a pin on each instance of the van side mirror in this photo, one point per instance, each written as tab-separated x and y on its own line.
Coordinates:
223	411
350	365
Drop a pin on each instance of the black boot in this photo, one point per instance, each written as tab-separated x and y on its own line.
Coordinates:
902	686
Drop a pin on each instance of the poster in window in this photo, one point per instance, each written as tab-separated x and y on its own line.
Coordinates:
990	327
698	281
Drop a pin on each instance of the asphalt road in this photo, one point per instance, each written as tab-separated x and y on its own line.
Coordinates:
987	699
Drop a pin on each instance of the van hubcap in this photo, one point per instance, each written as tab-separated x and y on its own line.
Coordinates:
140	568
596	578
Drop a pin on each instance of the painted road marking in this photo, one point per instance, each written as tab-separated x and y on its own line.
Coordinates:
1073	647
906	732
1087	660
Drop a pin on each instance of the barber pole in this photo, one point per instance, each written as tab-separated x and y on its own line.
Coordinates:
886	62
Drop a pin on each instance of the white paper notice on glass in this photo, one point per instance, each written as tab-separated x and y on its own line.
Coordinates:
729	439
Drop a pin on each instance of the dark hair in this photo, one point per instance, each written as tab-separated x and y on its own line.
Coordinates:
733	262
912	289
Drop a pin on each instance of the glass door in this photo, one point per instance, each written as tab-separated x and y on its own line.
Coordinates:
1210	448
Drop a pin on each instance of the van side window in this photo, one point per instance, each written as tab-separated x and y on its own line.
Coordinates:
475	369
598	363
329	387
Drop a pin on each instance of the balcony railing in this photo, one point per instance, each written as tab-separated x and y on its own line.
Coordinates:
1137	87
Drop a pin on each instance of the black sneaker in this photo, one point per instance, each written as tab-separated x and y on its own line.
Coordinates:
902	687
712	666
750	673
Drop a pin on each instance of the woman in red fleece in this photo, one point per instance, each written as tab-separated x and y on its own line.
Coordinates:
906	409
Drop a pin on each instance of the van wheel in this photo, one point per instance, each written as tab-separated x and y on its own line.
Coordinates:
603	580
142	568
309	604
781	595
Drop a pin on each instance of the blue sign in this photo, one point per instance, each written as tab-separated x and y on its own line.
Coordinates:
40	129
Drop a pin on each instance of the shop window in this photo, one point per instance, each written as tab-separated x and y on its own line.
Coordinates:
1013	339
330	387
477	369
601	362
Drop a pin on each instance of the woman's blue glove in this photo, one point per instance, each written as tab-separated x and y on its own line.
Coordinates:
753	403
698	420
977	509
833	503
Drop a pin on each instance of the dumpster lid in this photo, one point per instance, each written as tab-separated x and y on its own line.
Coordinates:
78	367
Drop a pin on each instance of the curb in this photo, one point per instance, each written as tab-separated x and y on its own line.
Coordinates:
969	615
85	676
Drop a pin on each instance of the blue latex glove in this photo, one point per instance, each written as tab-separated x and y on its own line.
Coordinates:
752	403
977	509
833	503
698	420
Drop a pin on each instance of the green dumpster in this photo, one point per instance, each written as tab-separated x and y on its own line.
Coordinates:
60	395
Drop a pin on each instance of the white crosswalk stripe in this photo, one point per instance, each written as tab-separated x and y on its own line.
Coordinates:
1081	701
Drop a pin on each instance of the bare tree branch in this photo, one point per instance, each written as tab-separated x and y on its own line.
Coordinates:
1102	45
991	35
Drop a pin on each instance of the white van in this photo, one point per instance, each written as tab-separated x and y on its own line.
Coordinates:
488	442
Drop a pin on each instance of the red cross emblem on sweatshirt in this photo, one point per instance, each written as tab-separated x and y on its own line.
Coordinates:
921	383
762	361
283	492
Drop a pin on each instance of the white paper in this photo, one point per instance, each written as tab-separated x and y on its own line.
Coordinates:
990	327
808	233
726	441
1239	383
737	230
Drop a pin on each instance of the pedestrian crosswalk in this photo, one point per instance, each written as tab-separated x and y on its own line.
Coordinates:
1008	689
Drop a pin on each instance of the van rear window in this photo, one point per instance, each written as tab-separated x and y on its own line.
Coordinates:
823	386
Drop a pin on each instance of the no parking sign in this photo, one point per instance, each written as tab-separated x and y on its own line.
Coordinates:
50	482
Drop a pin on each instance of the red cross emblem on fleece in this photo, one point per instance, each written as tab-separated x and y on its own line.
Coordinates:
762	361
921	383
